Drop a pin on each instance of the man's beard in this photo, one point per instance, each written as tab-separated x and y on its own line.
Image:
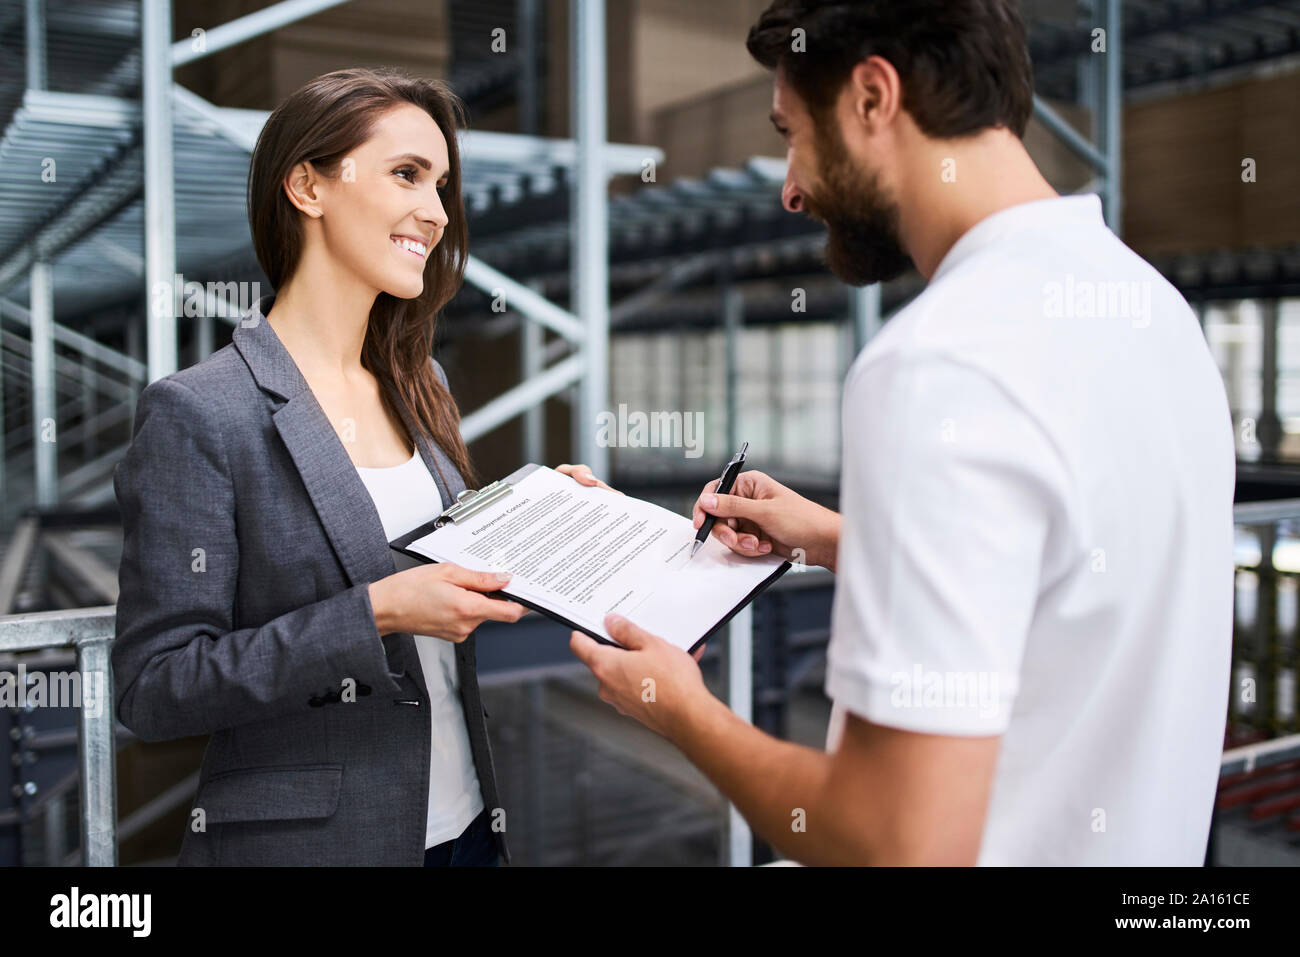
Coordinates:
863	244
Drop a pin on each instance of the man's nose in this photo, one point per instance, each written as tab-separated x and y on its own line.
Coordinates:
791	198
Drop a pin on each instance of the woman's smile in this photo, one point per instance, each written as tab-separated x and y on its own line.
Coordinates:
415	247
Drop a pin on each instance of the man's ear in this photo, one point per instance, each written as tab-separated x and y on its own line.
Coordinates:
877	93
300	185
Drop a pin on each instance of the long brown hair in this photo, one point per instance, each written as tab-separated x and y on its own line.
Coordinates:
322	122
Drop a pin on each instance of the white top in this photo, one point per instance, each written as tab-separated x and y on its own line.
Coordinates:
406	496
1037	538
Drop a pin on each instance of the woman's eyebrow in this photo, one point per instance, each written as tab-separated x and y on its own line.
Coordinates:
413	158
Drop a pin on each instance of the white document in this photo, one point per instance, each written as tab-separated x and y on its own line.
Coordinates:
581	552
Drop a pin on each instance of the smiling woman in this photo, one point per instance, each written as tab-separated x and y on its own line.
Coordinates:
341	694
259	600
369	160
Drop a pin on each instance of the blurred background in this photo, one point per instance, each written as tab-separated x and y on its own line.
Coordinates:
630	254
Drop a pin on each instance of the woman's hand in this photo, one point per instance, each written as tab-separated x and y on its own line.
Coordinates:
582	475
761	516
443	600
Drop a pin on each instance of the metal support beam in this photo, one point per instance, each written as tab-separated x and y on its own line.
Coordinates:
662	287
1114	117
35	32
246	28
532	363
175	797
55	808
13	567
35	68
540	153
89	380
1069	135
4	475
1088	78
524	300
205	339
87	346
864	305
82	563
159	184
21	357
740	698
1269	431
522	397
1106	154
1262	755
733	318
90	631
45	410
590	254
528	43
98	754
240	127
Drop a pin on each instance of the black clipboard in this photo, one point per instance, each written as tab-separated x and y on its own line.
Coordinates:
473	500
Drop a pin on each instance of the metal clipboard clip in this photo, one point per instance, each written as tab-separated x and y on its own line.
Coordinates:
470	501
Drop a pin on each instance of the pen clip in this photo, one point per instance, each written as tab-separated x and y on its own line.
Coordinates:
736	460
469	501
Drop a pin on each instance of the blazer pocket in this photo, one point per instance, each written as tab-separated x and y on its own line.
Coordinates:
273	793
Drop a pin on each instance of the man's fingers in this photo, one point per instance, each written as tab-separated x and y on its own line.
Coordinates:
733	507
697	513
698	653
741	540
624	632
585	648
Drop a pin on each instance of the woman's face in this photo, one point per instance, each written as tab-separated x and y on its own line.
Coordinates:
386	203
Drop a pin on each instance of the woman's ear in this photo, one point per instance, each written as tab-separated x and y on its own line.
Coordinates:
301	186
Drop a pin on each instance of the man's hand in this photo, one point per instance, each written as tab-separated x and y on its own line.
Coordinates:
647	678
762	516
583	476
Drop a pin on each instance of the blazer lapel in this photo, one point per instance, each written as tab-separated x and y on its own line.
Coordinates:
340	497
348	513
342	502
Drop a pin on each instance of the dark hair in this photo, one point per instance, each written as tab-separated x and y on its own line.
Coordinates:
322	122
964	64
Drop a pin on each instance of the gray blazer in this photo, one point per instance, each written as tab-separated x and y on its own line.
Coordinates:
249	542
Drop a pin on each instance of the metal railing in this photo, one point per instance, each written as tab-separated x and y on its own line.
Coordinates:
89	632
1251	757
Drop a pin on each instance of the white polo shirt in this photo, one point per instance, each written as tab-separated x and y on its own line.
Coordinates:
1037	538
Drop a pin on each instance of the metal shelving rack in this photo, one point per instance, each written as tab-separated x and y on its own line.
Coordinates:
543	219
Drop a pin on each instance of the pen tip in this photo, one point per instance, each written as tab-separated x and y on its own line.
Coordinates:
695	547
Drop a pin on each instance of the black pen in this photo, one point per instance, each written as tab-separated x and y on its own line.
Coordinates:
724	486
